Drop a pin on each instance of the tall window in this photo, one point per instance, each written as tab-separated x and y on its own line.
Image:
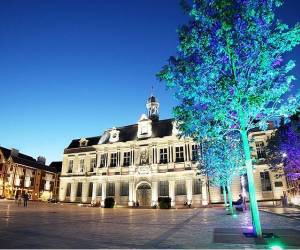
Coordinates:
195	152
70	166
81	165
164	188
124	189
113	159
163	155
197	186
79	189
222	190
102	161
32	182
265	181
68	192
99	189
127	157
180	188
260	149
93	164
90	189
110	191
179	154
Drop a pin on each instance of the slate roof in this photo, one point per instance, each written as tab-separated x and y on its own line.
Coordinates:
57	165
152	99
6	152
160	129
26	160
90	142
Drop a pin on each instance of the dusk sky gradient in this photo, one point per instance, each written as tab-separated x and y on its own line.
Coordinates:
71	69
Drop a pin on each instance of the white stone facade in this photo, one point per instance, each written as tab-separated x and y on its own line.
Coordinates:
139	163
148	175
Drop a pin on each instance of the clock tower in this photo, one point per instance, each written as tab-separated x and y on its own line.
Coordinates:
153	108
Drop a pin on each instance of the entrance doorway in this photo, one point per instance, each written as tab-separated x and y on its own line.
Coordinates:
144	195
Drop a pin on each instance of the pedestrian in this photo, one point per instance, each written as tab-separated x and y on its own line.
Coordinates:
19	200
239	204
245	202
25	198
284	199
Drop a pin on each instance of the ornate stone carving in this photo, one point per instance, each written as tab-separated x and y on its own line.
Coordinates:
114	135
144	156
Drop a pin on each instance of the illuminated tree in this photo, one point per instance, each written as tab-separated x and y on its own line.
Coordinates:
229	73
283	150
223	159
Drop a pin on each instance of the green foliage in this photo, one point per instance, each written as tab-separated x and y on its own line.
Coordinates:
229	74
223	159
164	202
109	202
229	67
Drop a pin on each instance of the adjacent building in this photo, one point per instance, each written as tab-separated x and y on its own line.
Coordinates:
20	173
294	183
146	160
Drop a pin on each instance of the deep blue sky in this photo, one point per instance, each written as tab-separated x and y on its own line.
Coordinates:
71	69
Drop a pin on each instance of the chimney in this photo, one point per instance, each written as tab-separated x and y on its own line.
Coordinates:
41	160
14	152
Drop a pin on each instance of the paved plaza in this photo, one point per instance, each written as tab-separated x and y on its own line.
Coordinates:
289	212
42	225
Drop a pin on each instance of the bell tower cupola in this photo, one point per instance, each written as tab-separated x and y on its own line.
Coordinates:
153	108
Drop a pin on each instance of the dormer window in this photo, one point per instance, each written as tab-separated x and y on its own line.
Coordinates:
144	127
114	135
83	142
144	130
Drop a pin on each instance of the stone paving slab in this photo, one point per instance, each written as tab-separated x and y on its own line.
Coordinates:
42	225
288	237
290	212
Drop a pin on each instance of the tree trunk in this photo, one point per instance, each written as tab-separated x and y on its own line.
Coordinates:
230	199
225	196
252	192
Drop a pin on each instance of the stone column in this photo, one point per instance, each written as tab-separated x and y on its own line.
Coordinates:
134	193
62	191
131	156
131	191
189	191
94	193
173	149
103	193
189	148
107	155
117	192
85	191
118	158
122	157
154	193
73	192
172	192
204	192
98	160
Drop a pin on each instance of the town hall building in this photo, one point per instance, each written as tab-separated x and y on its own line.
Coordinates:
148	160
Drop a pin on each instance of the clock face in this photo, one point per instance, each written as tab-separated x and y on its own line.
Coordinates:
104	137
